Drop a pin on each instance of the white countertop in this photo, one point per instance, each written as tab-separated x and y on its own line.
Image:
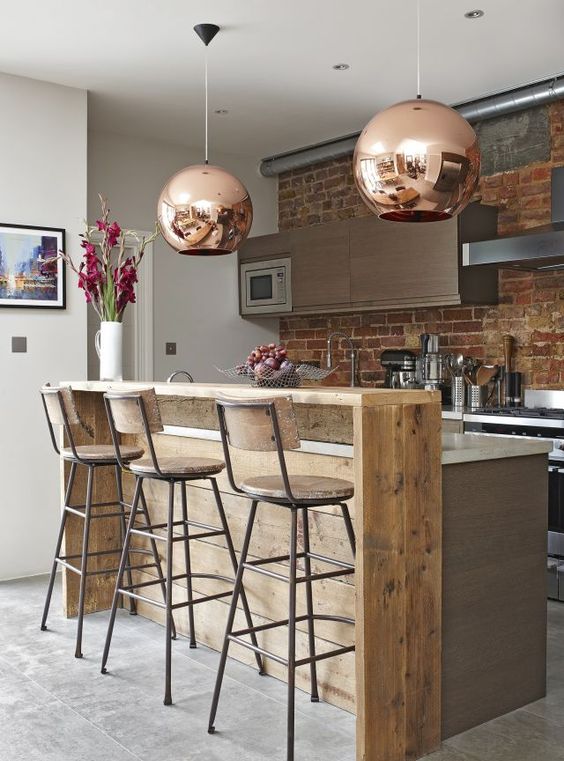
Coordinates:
472	447
456	447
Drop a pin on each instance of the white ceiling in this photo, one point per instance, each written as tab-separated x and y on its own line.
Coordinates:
271	63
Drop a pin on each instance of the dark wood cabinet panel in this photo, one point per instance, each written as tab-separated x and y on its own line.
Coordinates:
395	262
320	266
365	263
266	247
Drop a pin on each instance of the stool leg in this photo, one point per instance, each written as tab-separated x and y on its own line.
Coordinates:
231	550
84	561
123	528
292	636
154	550
52	577
188	564
121	571
168	602
231	617
349	527
309	605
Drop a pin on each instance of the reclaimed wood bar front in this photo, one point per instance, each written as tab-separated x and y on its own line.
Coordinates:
393	681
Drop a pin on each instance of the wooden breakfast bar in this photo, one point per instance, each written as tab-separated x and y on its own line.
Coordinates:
418	601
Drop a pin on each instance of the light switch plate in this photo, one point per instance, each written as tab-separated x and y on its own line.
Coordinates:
170	347
19	344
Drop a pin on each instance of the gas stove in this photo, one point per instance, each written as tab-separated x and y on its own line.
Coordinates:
542	417
554	413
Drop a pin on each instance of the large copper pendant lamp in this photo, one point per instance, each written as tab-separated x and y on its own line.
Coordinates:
417	161
203	210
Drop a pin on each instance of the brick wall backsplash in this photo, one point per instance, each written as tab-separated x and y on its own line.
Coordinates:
531	304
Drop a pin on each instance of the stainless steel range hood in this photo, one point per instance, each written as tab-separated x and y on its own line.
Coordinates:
541	248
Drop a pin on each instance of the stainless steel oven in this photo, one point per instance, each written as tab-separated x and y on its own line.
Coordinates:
265	286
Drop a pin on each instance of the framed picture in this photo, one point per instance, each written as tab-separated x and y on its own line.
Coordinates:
31	272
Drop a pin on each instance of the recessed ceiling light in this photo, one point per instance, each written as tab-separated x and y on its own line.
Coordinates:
341	66
221	111
474	14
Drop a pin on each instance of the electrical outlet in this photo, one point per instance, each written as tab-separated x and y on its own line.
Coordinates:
19	344
170	347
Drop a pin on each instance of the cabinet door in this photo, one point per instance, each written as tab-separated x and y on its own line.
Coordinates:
266	247
321	266
395	263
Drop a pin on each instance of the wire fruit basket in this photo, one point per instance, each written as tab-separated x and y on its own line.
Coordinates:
266	377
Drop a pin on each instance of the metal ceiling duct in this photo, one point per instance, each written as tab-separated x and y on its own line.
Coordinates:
479	110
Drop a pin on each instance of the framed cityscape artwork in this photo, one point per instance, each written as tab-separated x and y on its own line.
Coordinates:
31	272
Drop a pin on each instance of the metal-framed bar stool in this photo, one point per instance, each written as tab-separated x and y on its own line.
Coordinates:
138	413
265	425
60	410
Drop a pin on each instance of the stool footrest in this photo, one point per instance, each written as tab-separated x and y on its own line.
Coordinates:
98	553
142	584
284	661
285	622
253	566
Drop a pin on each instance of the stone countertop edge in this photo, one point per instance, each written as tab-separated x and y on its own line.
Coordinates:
456	447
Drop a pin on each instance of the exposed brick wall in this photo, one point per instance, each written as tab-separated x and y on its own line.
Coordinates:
531	304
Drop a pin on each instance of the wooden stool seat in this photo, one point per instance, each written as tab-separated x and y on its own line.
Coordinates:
178	466
101	453
303	487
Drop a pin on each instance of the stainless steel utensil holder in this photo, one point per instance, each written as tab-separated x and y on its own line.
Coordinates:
476	396
458	384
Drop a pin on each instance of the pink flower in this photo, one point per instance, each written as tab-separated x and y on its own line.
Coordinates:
100	224
114	231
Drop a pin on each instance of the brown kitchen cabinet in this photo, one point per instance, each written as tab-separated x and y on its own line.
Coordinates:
320	267
367	264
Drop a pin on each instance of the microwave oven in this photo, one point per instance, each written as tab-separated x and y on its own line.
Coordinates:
266	286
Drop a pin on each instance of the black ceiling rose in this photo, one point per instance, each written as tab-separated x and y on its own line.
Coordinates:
206	32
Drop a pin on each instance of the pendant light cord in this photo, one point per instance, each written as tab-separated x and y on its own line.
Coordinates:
418	49
206	101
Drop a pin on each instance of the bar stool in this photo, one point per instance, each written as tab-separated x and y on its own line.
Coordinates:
264	425
60	409
138	413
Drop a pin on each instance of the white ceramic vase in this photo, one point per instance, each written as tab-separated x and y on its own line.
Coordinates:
109	347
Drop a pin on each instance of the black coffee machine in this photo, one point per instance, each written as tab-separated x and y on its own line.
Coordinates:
399	365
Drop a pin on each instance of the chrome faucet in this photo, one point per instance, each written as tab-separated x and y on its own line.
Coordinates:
180	372
353	356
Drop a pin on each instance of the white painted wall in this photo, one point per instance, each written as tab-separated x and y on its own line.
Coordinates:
196	300
43	161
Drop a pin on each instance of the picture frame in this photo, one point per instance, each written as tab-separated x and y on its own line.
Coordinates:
32	274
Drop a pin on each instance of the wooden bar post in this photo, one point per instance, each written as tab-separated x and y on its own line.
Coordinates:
397	461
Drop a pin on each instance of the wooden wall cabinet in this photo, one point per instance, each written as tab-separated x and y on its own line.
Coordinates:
364	263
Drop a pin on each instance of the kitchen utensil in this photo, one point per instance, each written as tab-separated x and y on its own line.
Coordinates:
485	374
508	346
513	389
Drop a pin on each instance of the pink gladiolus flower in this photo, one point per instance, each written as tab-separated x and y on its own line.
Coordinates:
100	224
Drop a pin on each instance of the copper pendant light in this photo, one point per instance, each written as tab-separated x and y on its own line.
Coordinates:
417	161
203	210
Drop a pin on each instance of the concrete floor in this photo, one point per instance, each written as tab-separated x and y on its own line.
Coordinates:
56	708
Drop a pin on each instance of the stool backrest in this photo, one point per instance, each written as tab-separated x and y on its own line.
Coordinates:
250	425
128	408
258	425
60	409
134	412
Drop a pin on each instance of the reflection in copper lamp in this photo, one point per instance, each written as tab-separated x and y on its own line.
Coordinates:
417	161
204	210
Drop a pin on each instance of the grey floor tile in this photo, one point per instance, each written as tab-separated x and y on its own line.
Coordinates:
56	708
